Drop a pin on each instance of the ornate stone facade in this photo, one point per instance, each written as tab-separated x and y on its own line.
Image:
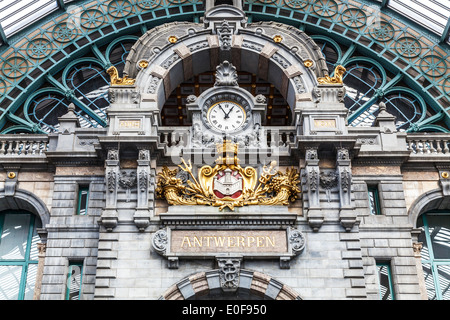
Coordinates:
321	234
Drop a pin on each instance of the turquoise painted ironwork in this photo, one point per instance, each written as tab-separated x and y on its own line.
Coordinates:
354	24
26	258
436	265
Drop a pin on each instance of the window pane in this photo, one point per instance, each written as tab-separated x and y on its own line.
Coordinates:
372	202
83	200
14	238
35	240
439	228
74	282
31	281
444	281
10	282
385	288
429	281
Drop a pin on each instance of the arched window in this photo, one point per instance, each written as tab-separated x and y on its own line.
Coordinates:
435	238
90	84
18	254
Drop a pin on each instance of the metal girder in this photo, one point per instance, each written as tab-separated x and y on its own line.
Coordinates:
3	37
446	32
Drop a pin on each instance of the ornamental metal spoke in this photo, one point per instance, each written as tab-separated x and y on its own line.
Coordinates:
434	66
148	4
39	48
382	31
267	1
354	18
92	19
325	8
296	4
408	47
446	86
120	8
65	32
15	67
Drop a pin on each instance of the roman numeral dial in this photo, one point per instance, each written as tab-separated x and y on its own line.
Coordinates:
226	116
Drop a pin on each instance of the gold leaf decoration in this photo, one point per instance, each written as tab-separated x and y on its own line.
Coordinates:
336	79
227	184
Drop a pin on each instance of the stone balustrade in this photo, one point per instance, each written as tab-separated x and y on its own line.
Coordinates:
29	145
17	145
423	144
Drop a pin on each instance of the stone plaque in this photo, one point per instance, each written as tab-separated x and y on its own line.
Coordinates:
325	123
235	241
215	243
129	124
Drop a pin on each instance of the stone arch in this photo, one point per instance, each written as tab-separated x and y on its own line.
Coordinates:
432	200
166	56
204	284
27	201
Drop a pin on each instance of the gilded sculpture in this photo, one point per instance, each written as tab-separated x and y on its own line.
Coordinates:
116	80
336	79
227	184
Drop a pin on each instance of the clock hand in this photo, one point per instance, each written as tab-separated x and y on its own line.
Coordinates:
223	110
228	114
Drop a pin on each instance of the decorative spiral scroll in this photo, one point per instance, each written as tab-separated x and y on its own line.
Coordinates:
160	241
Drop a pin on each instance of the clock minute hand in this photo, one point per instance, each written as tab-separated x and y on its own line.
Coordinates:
223	111
228	114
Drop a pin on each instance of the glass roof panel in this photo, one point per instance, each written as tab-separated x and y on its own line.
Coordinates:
17	14
431	14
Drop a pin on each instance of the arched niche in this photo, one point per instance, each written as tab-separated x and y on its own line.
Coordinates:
27	201
168	55
431	200
252	285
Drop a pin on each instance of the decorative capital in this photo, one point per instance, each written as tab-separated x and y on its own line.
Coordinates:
417	248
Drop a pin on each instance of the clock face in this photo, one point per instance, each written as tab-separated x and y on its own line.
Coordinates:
226	116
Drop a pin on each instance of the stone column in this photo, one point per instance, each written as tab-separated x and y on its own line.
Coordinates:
40	270
142	215
109	217
311	174
347	213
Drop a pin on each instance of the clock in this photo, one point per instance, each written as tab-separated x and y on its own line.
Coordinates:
226	116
